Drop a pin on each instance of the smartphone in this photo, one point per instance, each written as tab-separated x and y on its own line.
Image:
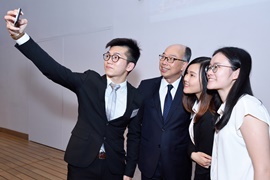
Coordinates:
16	24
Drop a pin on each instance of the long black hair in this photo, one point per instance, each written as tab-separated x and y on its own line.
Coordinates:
238	58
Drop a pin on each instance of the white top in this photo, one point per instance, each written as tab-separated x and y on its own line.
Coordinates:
230	159
195	109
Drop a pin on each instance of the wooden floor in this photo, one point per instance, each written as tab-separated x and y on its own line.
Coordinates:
21	159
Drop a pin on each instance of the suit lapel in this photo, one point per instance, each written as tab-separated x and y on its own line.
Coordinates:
130	97
156	100
101	96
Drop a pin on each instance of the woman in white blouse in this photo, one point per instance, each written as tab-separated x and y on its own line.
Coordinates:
241	149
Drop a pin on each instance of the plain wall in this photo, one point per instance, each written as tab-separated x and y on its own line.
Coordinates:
75	34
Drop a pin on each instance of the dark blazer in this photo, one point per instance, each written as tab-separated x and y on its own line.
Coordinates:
167	142
92	127
203	137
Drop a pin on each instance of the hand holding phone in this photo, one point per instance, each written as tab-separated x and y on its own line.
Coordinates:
16	22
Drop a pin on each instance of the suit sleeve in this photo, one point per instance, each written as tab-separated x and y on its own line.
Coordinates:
191	148
48	66
133	140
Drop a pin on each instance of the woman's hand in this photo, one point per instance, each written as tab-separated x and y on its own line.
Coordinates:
202	159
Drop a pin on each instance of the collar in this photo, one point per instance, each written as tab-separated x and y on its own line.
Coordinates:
122	85
164	83
196	106
220	110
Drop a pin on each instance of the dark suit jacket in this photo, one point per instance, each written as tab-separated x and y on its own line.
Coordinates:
92	128
203	137
167	142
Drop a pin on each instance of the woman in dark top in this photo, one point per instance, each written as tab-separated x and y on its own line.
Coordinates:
202	104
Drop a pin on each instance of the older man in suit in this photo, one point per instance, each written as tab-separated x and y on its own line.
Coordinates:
164	138
108	104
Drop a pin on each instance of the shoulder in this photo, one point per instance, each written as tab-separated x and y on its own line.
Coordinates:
150	81
92	77
92	74
248	101
89	71
131	87
134	92
250	105
149	85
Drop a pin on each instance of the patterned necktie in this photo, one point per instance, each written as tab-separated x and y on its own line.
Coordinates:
167	102
112	101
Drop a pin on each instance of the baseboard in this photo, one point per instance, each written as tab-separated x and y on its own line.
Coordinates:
14	133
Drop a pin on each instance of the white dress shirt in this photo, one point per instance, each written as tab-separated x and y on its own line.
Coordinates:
163	90
121	100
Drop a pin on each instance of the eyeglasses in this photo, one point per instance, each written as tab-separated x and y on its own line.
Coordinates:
215	67
114	57
169	59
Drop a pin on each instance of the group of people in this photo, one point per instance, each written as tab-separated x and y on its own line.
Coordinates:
199	110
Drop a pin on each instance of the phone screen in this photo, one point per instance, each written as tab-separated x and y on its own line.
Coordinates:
17	17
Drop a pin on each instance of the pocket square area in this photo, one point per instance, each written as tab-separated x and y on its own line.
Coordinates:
134	113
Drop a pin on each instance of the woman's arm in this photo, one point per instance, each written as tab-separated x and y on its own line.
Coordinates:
202	159
256	136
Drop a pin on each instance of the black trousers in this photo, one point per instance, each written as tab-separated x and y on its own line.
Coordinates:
98	170
158	175
205	176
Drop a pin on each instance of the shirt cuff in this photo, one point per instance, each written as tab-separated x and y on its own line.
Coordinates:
23	39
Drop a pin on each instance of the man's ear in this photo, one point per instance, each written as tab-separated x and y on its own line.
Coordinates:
184	66
236	74
130	66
